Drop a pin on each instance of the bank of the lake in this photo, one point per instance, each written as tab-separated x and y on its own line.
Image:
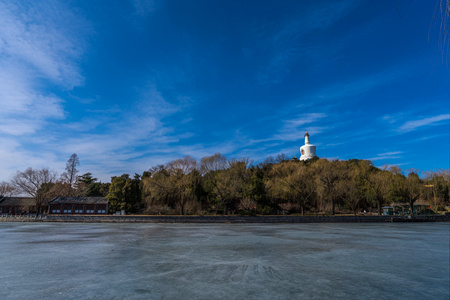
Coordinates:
226	219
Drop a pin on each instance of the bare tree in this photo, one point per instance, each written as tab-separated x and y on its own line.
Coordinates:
247	204
183	174
70	176
36	183
186	165
174	184
7	189
379	187
157	188
350	186
287	206
282	157
294	182
227	177
413	187
229	183
213	163
439	182
327	177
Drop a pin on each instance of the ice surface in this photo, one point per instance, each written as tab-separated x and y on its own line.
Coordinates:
224	261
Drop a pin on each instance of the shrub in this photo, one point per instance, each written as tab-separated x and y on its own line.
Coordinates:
441	208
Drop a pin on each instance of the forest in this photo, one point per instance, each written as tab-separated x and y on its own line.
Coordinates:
218	185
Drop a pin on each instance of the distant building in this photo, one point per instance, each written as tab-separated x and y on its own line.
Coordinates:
307	151
78	205
388	210
20	206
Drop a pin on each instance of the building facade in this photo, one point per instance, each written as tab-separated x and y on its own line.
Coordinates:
20	206
78	206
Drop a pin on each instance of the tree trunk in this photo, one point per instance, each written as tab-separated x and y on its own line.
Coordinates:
38	209
182	206
379	207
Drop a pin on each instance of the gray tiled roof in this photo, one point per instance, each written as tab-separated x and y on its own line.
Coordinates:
79	200
18	201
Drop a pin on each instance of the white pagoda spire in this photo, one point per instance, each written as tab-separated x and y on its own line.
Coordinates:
307	138
307	151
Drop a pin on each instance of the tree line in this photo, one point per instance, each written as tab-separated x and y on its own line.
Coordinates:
218	185
45	184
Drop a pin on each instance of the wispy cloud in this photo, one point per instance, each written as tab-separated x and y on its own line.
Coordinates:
293	128
128	138
41	43
151	85
303	119
37	50
40	36
386	156
14	157
415	124
357	86
24	108
143	7
286	45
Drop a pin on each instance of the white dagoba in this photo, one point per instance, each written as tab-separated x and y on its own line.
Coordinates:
307	151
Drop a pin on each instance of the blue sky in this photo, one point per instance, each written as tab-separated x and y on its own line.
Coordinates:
130	84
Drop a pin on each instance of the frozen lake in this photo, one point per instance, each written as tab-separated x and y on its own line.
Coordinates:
224	261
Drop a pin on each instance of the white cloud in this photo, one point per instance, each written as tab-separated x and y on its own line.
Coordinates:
293	129
386	156
303	119
38	35
14	157
112	141
415	124
153	103
41	43
24	108
36	49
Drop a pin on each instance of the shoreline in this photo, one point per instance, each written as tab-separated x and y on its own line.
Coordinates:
226	219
